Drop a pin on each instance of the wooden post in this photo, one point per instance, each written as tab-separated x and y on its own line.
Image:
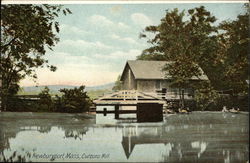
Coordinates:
116	111
104	111
179	90
164	92
182	99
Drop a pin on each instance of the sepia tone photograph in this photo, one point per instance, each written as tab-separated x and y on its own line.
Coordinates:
124	81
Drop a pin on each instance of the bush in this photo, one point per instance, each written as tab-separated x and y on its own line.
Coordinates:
206	97
18	104
73	100
45	101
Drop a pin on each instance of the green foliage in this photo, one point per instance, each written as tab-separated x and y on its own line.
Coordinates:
45	100
184	43
206	96
196	44
118	84
17	104
234	41
73	100
26	32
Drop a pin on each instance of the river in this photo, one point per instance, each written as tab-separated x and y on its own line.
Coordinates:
194	137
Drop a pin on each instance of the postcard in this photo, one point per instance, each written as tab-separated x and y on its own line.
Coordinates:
124	81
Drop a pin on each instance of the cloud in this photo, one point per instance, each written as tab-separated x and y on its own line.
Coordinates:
85	44
98	19
141	19
122	25
78	46
125	39
121	55
62	58
102	21
67	29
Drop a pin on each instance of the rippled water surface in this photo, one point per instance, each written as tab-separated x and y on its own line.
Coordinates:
195	137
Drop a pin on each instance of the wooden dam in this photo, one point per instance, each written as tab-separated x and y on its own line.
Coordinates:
148	108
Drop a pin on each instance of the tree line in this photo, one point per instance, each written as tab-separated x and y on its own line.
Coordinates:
221	51
193	42
73	100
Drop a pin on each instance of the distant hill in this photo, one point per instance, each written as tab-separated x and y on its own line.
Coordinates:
56	88
108	86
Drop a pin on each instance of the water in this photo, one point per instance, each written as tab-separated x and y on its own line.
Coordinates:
195	137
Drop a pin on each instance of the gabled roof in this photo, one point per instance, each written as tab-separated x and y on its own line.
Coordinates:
150	70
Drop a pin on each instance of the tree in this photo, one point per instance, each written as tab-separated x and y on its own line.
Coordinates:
196	44
206	96
188	44
118	84
233	54
74	100
45	98
26	33
220	51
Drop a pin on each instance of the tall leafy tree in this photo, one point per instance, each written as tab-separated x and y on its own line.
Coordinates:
189	44
234	51
191	40
27	31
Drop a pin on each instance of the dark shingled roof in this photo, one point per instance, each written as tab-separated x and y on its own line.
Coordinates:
151	70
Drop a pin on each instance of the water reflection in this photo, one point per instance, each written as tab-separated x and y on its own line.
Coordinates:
197	137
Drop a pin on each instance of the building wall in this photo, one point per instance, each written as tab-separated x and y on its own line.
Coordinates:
153	85
165	84
129	82
108	108
146	85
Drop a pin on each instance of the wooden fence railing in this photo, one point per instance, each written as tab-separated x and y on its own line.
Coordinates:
170	95
135	95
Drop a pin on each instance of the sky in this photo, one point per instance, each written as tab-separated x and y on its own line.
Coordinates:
96	40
